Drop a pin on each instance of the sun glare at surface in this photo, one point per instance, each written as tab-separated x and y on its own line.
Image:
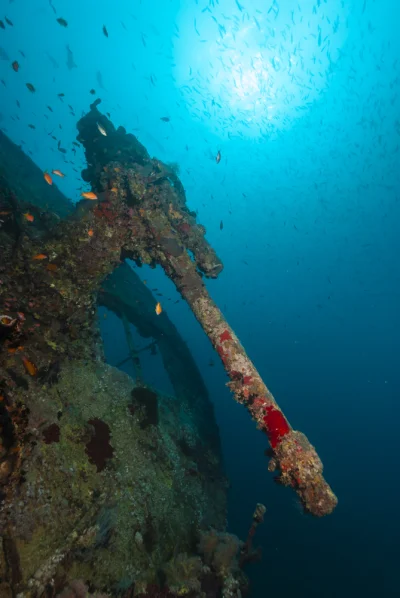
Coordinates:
255	67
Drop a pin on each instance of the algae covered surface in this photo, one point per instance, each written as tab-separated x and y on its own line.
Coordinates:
106	496
106	486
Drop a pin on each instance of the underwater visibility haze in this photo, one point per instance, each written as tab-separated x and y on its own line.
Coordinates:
199	206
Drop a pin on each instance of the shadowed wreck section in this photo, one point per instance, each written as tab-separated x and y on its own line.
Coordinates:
123	293
107	485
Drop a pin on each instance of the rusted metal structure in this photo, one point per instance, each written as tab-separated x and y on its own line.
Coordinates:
52	272
156	203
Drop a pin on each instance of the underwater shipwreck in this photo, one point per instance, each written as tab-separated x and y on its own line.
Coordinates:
107	487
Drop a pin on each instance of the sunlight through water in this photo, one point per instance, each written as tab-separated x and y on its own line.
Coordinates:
251	69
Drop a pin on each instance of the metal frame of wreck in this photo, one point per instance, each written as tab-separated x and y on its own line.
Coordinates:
141	214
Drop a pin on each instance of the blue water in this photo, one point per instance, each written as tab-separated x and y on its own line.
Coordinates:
302	100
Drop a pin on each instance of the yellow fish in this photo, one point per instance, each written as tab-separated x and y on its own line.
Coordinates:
47	178
40	256
89	195
158	308
29	366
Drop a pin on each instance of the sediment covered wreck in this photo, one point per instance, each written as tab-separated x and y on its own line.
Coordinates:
107	487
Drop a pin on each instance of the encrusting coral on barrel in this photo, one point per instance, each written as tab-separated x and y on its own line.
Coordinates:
157	205
70	440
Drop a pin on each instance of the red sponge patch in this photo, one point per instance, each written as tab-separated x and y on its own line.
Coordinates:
276	425
225	336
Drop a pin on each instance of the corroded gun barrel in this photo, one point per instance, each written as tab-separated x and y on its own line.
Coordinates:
163	231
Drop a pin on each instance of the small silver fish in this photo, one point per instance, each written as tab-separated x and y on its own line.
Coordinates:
102	130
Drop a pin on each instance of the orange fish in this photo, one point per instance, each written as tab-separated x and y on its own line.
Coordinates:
90	232
89	195
7	320
47	178
114	189
51	267
58	173
40	256
15	66
15	349
29	366
29	217
158	308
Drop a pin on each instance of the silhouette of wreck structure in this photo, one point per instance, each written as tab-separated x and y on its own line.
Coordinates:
107	486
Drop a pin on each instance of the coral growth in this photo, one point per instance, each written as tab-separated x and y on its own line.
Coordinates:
118	519
147	402
183	574
220	552
78	589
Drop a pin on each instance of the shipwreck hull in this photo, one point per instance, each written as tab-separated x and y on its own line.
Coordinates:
106	486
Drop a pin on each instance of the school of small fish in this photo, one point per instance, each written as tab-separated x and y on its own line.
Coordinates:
245	70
